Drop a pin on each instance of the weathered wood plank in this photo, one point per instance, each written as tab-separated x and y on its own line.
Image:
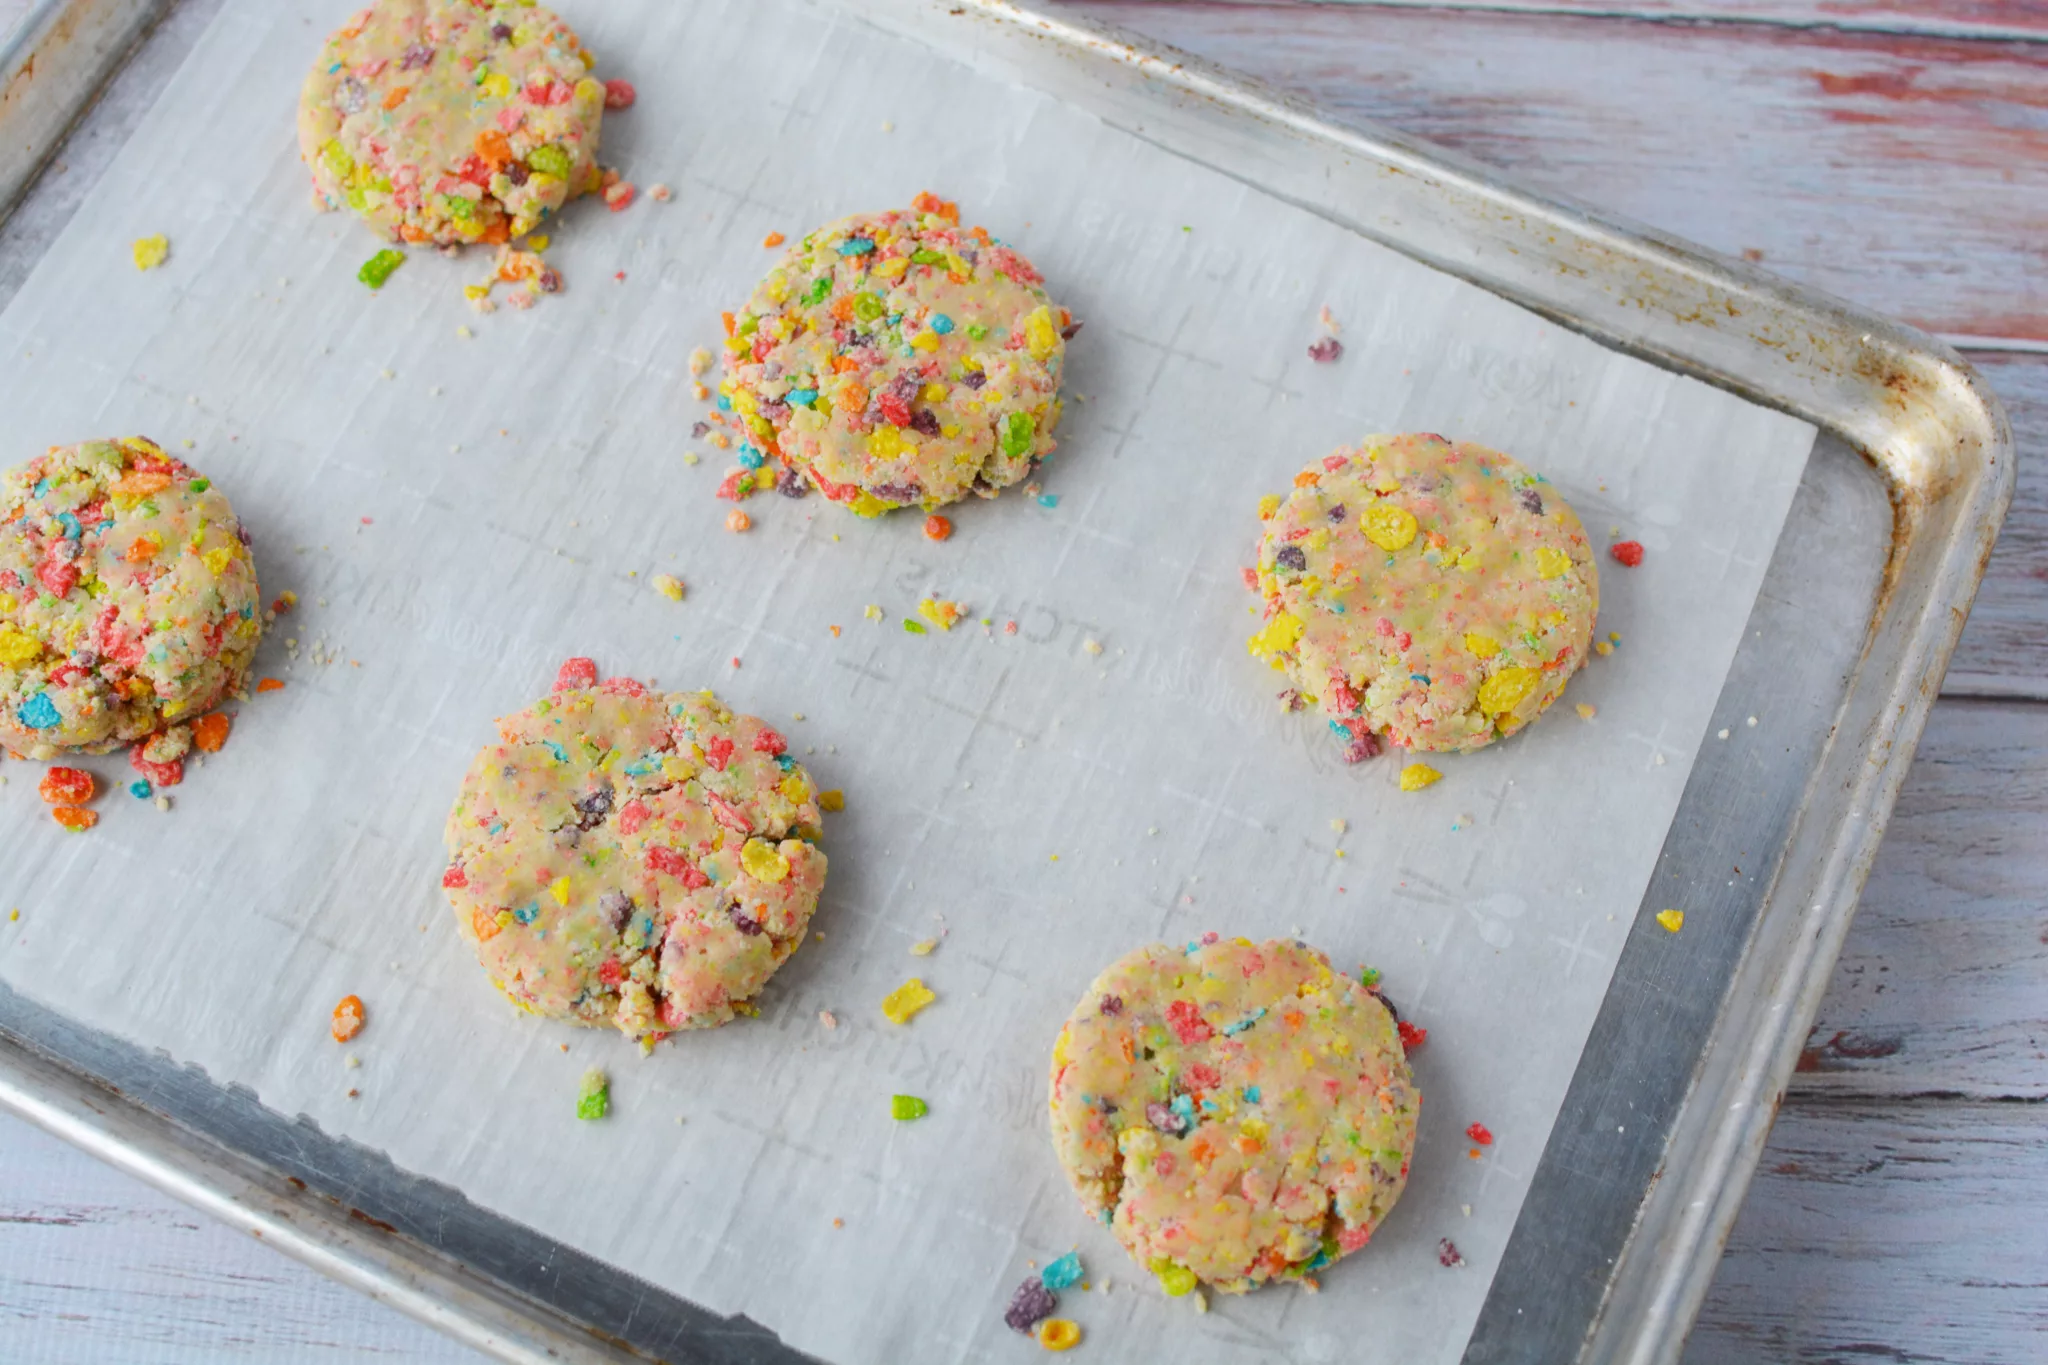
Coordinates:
1942	986
96	1266
1888	1232
2004	650
1896	170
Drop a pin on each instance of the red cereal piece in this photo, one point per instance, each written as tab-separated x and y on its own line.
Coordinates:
632	816
1188	1024
159	774
1480	1134
1411	1036
937	527
576	673
454	878
895	411
270	685
1628	553
348	1019
770	742
718	753
623	687
66	787
210	731
619	197
666	861
619	94
77	819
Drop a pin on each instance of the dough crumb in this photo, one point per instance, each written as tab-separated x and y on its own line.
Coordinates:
150	252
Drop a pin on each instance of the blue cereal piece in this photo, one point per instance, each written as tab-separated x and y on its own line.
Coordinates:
39	713
1064	1273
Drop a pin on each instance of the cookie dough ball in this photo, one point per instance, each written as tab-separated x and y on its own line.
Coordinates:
451	120
128	599
897	359
1436	592
636	859
1236	1112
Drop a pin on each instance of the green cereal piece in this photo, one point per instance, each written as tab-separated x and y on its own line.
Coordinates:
903	1108
378	268
594	1096
550	160
1018	429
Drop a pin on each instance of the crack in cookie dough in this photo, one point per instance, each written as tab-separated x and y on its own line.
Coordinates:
635	859
897	359
1437	592
450	121
128	599
1235	1112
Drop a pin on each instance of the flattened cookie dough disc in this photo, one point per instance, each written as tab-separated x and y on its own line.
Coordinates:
633	858
1439	593
451	121
898	359
128	600
1234	1111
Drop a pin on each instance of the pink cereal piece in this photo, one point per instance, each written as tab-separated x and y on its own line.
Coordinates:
623	687
619	196
632	816
770	742
576	673
718	753
619	94
1334	462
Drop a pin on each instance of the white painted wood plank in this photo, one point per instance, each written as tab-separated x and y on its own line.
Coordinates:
1999	19
96	1268
1885	1232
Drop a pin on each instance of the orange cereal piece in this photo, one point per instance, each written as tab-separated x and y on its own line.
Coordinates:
494	147
736	520
396	96
486	925
937	527
270	685
773	239
729	322
210	731
66	787
77	819
348	1019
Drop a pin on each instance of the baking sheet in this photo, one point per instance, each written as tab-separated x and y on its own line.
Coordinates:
521	486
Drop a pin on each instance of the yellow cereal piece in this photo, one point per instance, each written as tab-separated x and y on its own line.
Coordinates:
1416	776
149	252
18	650
893	269
1276	637
1176	1279
868	505
834	800
1483	646
217	561
901	1004
668	585
923	947
1268	505
872	612
1389	527
1587	711
1552	562
1507	689
1673	920
1602	648
559	889
1059	1334
934	392
1039	333
763	862
940	613
925	341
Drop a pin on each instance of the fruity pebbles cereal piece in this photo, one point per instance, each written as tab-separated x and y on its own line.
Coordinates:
898	359
1437	592
1236	1112
451	121
632	858
128	599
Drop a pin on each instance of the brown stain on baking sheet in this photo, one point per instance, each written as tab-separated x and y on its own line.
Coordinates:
1846	1047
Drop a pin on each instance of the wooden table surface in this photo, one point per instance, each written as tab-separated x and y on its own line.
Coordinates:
1894	152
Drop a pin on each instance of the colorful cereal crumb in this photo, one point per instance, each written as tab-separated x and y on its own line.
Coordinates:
66	787
210	732
1176	1279
903	1003
939	612
1480	1134
1586	710
149	252
1063	1273
1447	1254
575	673
700	361
1059	1334
1673	920
833	800
619	94
1627	553
913	627
737	521
1416	776
378	268
77	819
140	789
270	685
619	197
937	527
594	1095
1412	1037
660	194
1325	350
871	612
1602	648
347	1020
668	585
773	239
1031	1304
924	947
904	1108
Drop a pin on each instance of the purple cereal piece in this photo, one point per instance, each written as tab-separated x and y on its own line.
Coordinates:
1531	500
1325	350
1111	1004
1362	747
1291	557
1031	1303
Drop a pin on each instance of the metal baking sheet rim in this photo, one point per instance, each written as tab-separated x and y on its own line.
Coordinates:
1910	406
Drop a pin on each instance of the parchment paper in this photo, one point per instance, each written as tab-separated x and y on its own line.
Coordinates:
458	515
